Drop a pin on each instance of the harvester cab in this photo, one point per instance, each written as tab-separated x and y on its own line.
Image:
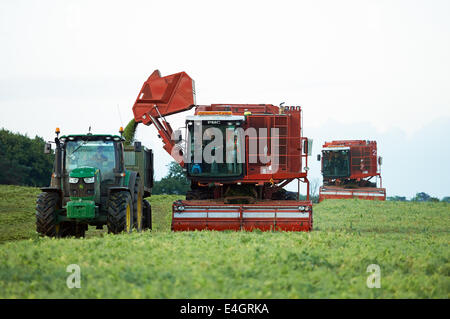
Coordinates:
96	180
351	169
238	158
224	162
336	162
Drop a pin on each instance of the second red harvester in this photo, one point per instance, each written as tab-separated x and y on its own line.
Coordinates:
351	169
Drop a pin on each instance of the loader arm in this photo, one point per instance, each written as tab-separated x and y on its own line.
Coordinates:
162	96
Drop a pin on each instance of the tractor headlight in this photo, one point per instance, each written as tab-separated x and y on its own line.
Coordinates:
180	208
73	180
89	180
301	208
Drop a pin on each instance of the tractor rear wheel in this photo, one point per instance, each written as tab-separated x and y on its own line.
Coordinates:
120	213
138	205
147	215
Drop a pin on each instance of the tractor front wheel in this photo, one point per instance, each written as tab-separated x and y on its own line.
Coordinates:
47	205
120	213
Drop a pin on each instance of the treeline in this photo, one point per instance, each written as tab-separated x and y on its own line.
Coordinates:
22	160
420	197
174	183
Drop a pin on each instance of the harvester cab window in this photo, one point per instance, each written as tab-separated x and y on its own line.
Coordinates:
226	151
336	163
98	154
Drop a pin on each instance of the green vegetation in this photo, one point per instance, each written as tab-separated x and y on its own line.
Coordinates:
130	132
17	208
408	240
175	182
22	160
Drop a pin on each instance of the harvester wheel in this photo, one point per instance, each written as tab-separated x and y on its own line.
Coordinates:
147	215
46	220
290	196
199	194
120	213
138	205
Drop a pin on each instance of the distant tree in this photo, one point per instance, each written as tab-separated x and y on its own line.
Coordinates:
446	199
175	182
434	199
421	197
314	189
22	160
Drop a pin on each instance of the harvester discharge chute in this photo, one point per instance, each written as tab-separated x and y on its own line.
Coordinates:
238	158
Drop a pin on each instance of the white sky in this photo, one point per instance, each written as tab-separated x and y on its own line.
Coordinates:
384	64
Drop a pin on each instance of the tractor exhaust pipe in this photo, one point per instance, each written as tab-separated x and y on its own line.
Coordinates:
58	158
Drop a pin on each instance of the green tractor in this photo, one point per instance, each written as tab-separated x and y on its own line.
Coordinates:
97	180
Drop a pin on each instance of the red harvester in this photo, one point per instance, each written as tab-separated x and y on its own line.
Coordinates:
244	192
348	168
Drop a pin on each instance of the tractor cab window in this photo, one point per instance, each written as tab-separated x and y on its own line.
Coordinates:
220	148
336	163
99	154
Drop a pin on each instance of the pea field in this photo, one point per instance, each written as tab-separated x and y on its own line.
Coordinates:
408	241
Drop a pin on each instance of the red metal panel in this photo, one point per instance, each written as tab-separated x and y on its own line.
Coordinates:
289	151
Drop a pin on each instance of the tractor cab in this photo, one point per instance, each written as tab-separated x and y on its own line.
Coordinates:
336	162
92	158
215	147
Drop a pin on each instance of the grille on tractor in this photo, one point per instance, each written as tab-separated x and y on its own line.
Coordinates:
81	189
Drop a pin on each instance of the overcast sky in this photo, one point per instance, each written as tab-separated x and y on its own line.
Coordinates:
359	69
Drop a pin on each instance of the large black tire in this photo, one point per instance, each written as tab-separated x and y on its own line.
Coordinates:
147	215
120	213
199	194
47	206
282	194
290	196
138	198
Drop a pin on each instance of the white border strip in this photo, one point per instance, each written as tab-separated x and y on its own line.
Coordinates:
223	215
189	215
352	194
258	215
292	215
245	215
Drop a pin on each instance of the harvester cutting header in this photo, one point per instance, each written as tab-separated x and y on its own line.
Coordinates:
238	158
